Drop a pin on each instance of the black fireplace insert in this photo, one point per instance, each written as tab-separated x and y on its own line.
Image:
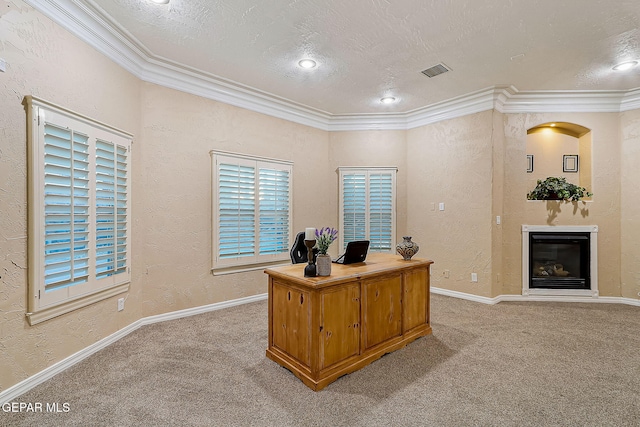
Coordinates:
559	260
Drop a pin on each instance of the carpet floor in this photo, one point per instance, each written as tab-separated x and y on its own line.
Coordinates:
510	364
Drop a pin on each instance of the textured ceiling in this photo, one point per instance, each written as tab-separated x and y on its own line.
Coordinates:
367	49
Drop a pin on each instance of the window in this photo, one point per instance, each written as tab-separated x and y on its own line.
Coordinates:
251	210
368	207
79	234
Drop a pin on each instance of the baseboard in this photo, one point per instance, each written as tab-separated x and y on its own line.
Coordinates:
463	295
202	309
22	387
548	298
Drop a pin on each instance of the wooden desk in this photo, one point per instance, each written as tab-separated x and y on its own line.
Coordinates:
321	328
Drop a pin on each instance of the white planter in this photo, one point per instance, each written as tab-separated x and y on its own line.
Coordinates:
323	265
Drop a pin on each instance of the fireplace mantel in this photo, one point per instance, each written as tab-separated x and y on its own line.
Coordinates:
593	262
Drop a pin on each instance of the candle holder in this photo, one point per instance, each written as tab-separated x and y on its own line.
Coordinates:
310	269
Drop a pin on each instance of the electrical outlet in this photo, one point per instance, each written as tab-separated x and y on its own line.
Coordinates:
474	277
445	274
120	304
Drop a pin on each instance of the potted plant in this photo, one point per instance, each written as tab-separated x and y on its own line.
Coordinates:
554	188
324	237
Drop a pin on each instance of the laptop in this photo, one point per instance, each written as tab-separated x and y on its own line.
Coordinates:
356	251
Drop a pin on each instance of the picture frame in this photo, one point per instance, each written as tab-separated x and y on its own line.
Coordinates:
570	163
529	163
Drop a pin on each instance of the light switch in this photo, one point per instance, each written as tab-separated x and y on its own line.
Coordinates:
498	220
3	65
441	206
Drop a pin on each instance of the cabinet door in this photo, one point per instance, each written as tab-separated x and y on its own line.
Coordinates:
339	324
291	322
415	299
382	309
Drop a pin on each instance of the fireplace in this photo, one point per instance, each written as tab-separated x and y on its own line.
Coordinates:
559	260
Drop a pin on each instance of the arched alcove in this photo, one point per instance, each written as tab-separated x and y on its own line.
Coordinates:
559	149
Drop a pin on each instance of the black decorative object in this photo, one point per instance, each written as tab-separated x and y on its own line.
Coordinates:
310	269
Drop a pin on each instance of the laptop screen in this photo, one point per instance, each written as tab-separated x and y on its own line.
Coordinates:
355	251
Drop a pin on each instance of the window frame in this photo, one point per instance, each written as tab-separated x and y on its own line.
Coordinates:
367	172
43	304
255	261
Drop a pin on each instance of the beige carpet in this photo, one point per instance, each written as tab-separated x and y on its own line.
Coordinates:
512	364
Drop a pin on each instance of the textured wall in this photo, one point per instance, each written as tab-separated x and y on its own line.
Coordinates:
171	186
630	224
603	210
45	61
452	162
179	131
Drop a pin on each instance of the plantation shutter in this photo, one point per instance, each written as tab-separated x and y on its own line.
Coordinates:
236	213
368	207
66	208
381	211
274	211
111	209
252	210
354	199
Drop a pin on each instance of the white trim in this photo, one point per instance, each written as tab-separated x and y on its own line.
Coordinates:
593	262
202	309
523	298
250	157
90	24
68	306
464	295
23	386
234	270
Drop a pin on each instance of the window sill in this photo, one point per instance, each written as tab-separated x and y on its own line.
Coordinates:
67	307
221	271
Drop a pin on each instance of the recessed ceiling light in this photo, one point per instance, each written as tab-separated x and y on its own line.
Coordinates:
160	1
388	100
625	65
307	63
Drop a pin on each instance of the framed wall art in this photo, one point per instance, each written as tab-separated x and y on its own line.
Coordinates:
570	163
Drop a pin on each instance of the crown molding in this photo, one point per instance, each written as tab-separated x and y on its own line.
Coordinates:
89	23
630	100
564	101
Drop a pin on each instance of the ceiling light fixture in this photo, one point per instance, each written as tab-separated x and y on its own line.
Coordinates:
625	66
388	100
307	63
160	1
552	125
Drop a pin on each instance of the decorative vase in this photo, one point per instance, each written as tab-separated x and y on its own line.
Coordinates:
407	248
323	265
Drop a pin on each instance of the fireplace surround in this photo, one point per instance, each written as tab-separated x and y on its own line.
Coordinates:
559	260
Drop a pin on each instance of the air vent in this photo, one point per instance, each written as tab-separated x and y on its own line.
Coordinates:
436	70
